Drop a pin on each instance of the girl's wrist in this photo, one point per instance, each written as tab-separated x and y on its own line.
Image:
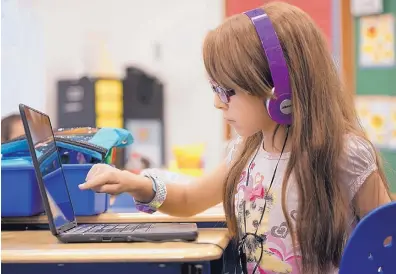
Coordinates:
139	187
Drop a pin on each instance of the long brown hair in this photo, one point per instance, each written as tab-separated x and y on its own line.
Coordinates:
323	112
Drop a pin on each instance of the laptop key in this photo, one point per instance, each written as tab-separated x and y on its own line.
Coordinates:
142	228
147	226
85	229
130	228
76	230
108	228
95	228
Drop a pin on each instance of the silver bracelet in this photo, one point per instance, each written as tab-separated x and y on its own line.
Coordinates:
159	187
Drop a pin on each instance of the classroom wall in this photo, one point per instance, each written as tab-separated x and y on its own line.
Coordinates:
326	13
377	81
62	41
374	80
162	37
320	11
22	57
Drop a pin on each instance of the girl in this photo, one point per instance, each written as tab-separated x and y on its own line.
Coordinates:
292	189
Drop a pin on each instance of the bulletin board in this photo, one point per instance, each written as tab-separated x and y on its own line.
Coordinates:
378	117
376	75
375	72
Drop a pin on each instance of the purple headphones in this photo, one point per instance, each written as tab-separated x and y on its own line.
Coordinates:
279	108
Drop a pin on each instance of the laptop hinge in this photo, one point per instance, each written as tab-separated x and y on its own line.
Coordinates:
67	227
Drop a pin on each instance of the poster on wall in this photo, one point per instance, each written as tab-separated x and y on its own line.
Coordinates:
377	41
378	117
366	7
392	120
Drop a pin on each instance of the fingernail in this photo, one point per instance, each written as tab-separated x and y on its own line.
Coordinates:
81	185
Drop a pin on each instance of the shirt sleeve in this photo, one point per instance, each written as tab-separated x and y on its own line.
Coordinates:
357	163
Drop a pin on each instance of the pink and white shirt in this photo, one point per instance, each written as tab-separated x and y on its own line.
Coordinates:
357	163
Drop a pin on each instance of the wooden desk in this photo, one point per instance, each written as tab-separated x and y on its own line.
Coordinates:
42	247
40	252
212	215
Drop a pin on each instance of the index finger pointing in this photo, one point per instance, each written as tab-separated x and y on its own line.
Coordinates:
97	181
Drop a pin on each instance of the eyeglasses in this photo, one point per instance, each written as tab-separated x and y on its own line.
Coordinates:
223	93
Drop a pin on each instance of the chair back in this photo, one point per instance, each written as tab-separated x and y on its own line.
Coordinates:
372	245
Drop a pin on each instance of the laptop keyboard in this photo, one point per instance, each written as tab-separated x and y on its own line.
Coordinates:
111	228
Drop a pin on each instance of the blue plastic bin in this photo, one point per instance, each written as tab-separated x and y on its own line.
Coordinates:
85	202
122	203
20	194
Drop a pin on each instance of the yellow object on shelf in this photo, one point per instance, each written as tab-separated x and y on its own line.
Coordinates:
109	106
195	172
189	156
188	160
110	122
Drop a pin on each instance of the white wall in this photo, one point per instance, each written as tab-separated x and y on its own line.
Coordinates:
22	57
163	37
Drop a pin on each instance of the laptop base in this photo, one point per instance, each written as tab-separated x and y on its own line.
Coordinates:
137	232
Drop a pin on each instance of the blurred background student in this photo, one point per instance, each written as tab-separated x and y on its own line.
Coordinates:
11	127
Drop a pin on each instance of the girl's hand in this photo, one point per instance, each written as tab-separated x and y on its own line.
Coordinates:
108	179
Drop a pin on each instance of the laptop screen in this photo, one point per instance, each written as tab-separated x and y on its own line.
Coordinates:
50	167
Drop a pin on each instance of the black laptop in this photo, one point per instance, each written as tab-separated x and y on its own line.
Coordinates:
58	205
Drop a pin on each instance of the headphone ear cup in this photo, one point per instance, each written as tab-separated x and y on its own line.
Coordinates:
279	109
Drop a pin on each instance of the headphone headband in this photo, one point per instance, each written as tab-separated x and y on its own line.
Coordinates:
279	108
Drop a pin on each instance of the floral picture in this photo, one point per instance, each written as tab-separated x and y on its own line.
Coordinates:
377	41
